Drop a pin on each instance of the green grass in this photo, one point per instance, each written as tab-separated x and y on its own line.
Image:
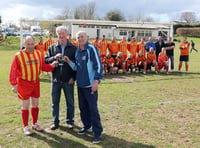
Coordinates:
153	110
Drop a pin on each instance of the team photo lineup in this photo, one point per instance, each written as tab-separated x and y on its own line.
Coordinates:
134	56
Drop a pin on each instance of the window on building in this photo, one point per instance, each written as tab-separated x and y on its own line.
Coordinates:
123	33
148	34
144	33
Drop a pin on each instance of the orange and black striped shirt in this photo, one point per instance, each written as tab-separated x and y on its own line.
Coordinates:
133	48
151	57
142	46
141	59
27	66
40	47
123	45
114	47
104	46
47	44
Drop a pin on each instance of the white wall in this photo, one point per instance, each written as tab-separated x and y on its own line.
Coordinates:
110	32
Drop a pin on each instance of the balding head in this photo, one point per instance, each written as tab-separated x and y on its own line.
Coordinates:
29	44
29	38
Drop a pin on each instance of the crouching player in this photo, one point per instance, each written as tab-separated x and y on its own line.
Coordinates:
130	63
151	60
141	62
109	64
163	61
120	63
24	78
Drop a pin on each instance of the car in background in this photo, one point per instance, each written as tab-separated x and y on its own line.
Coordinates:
1	34
17	33
45	32
36	33
10	31
24	34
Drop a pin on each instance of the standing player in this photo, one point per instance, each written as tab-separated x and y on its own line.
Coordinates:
150	44
103	47
133	47
40	46
142	46
184	54
193	48
123	47
114	47
24	78
159	45
170	52
96	43
71	40
48	43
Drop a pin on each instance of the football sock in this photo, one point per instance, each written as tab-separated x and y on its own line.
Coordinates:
34	114
25	116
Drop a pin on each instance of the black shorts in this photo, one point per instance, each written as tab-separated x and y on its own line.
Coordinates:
184	58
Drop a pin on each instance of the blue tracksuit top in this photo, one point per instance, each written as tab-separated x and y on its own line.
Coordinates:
149	45
88	66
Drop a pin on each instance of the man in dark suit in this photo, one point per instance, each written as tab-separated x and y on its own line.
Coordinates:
159	45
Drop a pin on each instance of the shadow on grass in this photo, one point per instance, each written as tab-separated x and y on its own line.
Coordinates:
54	140
106	140
177	75
152	75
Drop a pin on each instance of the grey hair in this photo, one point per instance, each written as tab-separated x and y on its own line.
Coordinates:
28	37
79	32
61	28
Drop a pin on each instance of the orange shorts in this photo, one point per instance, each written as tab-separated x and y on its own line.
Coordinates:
27	89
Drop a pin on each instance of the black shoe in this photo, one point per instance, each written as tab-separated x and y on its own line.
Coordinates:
54	127
83	131
96	139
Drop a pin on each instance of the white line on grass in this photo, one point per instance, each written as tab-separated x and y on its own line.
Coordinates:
167	102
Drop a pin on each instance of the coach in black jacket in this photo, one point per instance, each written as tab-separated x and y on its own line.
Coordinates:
62	76
159	45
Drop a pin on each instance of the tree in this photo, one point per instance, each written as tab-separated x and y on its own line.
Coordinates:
188	17
140	18
77	14
83	11
91	10
115	15
67	13
148	19
59	17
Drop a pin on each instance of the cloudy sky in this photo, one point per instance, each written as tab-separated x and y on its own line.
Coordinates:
159	10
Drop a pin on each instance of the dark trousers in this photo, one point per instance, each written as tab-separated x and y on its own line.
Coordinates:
89	110
69	98
171	57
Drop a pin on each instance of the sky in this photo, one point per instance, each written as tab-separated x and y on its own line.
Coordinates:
160	10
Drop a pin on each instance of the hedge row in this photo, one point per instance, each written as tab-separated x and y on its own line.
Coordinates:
192	32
